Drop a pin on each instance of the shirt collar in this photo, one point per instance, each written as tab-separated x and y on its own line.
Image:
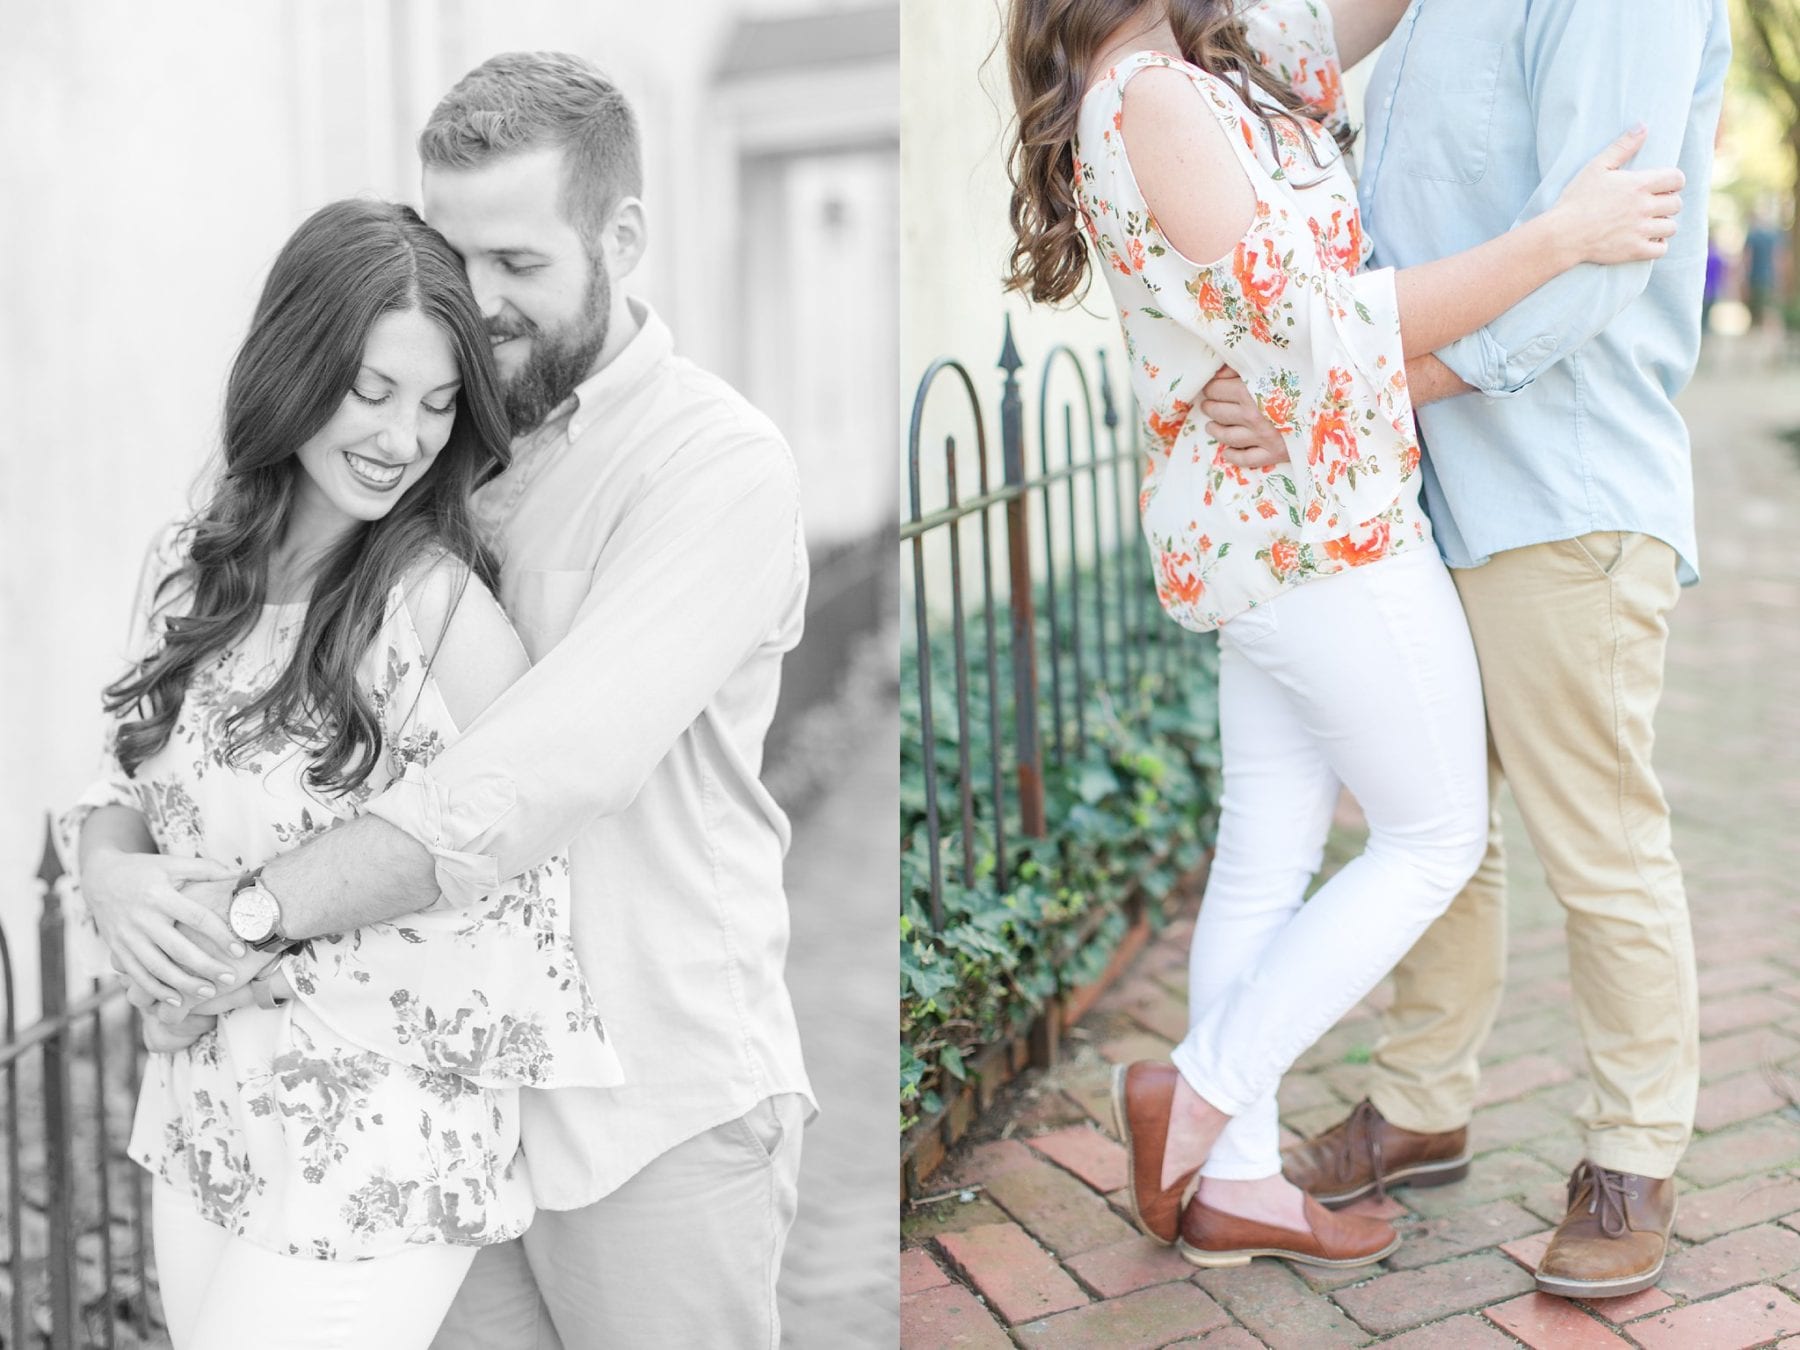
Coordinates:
648	348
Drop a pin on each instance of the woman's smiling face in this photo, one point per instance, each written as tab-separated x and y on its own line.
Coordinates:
388	430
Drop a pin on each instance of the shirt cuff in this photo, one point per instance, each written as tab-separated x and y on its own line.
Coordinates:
446	822
1490	369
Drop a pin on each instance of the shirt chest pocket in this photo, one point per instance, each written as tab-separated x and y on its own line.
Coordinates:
544	606
1444	109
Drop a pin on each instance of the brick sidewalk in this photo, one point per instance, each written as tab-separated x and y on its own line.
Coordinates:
1042	1255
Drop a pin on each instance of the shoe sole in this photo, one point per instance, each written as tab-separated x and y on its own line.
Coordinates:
1118	1109
1585	1289
1242	1256
1420	1175
1628	1284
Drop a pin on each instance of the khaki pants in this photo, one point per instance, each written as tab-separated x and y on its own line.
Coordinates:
1571	637
685	1254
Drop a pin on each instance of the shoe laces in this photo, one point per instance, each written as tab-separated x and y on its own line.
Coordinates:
1364	1124
1607	1194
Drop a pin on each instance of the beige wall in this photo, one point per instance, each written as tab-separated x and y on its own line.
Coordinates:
154	159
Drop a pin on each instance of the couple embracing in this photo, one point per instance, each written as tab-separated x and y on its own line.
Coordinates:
1465	356
430	838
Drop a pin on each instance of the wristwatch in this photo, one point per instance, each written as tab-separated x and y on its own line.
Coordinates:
254	914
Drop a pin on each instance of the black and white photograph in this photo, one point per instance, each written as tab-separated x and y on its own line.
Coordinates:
449	673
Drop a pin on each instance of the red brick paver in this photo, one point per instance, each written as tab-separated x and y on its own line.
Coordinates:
1018	1278
1050	1201
1546	1323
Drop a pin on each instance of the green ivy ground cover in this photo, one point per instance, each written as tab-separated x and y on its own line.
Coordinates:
1135	808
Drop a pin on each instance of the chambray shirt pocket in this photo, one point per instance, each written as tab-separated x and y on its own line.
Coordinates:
1451	78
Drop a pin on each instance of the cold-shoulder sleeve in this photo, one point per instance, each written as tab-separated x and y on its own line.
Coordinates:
1317	342
490	991
158	595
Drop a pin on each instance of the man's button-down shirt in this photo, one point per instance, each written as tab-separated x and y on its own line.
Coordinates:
1478	115
653	562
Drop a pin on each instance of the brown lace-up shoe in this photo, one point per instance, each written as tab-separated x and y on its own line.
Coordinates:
1210	1237
1614	1237
1364	1153
1142	1095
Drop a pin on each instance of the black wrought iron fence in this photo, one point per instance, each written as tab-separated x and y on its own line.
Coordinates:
1054	725
77	1239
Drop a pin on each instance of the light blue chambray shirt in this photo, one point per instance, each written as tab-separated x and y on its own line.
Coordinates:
1479	114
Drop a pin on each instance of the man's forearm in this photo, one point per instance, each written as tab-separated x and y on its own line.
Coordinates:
1429	379
360	873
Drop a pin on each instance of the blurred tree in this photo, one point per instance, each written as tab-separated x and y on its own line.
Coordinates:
1767	34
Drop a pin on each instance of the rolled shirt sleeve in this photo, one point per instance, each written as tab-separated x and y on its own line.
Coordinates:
1591	78
693	580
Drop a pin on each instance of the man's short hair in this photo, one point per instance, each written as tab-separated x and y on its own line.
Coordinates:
522	101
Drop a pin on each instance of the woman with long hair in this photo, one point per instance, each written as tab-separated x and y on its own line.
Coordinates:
335	1133
1200	152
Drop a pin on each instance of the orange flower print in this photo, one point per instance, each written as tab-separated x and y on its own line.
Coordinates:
1249	136
1137	255
1331	427
1206	543
1284	557
1165	428
1266	509
1207	296
1340	242
1331	88
1177	583
1313	512
1262	287
1354	553
1278	407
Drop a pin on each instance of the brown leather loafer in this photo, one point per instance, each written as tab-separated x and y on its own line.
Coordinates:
1142	1096
1210	1237
1363	1153
1614	1237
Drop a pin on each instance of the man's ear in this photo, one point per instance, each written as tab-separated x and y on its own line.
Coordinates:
625	237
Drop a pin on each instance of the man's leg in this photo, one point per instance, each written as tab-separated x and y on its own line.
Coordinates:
688	1251
498	1304
1572	637
1446	995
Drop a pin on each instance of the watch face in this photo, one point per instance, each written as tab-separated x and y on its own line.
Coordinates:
253	914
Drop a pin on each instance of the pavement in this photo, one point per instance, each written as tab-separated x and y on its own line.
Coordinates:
839	1287
1041	1254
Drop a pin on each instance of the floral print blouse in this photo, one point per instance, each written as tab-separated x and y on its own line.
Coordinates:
379	1108
1316	339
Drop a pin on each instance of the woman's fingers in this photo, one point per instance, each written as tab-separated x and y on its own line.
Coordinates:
126	962
197	963
183	986
205	923
199	869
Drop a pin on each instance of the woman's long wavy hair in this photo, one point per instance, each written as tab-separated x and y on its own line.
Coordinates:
1050	51
350	263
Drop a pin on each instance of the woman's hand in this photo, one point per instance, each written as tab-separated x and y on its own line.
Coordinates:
166	944
1611	214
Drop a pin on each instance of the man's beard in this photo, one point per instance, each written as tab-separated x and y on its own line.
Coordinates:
560	358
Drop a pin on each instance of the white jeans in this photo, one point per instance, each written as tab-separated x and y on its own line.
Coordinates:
1365	679
220	1292
685	1254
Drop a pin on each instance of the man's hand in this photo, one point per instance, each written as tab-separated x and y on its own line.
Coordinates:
168	943
1249	440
